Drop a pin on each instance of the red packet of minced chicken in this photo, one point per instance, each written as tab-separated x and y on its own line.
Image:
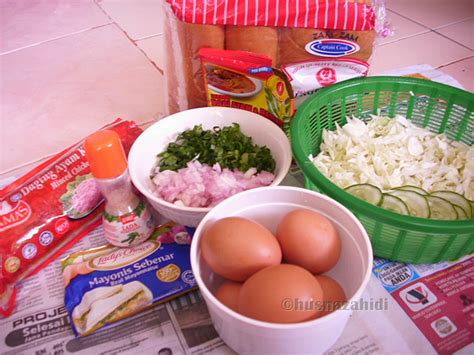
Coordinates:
48	209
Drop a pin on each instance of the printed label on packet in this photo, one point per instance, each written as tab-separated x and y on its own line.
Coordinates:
330	47
305	77
11	216
46	210
106	284
129	229
247	81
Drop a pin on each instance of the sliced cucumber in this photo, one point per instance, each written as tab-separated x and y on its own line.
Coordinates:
460	212
441	208
455	199
366	192
412	188
394	204
416	203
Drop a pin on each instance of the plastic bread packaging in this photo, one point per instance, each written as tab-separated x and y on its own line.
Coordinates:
107	284
184	78
264	40
315	43
47	210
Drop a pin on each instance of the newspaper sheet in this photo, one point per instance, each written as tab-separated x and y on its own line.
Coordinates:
40	323
426	71
418	309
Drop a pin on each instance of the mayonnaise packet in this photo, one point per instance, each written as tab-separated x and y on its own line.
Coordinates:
107	284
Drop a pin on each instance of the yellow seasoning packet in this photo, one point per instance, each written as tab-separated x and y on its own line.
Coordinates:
247	81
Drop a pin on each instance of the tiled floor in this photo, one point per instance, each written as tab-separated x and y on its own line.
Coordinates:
435	32
68	67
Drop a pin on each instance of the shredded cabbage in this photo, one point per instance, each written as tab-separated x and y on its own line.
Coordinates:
389	153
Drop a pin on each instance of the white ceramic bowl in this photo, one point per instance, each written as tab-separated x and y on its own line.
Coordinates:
153	140
267	205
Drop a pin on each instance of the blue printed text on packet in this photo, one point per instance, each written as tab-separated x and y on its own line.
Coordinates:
106	284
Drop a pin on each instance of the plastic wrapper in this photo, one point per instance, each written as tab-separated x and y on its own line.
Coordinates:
247	81
315	43
107	284
47	210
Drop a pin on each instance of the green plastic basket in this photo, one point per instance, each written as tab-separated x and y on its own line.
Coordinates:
437	107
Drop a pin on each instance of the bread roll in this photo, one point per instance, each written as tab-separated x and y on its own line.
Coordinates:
259	40
192	38
183	70
292	42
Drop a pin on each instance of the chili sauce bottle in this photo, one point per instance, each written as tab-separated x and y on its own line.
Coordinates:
127	219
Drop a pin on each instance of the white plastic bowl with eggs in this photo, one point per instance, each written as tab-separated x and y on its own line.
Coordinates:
267	206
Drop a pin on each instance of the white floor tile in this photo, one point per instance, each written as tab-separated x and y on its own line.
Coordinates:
56	93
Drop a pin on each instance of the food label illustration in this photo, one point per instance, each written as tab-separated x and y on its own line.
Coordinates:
129	229
247	81
106	284
328	71
82	196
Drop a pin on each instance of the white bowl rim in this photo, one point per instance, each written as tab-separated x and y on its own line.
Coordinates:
258	323
264	121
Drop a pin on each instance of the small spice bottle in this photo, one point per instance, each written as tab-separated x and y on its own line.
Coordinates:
127	219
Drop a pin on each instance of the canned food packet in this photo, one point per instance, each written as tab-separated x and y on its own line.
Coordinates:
107	284
247	81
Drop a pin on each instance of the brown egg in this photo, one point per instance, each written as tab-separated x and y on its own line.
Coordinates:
281	294
228	294
310	240
236	248
333	294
